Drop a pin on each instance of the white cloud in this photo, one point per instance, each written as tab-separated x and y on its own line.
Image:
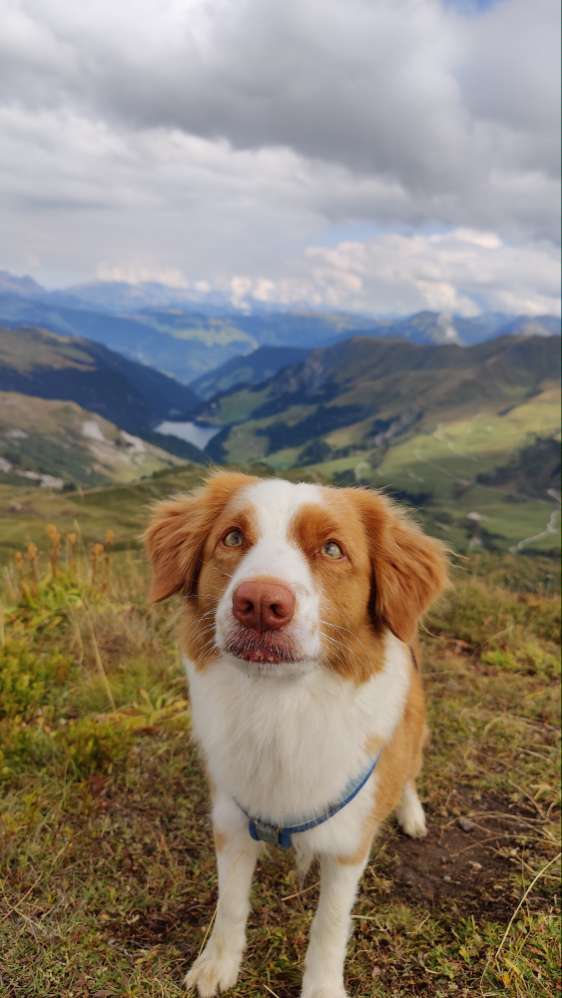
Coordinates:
462	271
139	274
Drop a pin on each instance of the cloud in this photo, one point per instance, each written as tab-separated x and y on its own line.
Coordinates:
462	271
132	274
218	140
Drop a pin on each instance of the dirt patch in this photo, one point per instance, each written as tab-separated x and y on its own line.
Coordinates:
467	862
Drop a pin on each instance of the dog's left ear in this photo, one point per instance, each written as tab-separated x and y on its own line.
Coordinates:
409	569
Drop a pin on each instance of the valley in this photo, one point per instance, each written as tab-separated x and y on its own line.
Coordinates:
447	414
95	723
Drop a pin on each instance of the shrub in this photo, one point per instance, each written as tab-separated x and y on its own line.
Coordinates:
29	680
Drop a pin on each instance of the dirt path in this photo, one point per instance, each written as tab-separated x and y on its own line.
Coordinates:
552	527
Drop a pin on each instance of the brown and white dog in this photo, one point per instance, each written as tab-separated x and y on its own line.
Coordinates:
300	612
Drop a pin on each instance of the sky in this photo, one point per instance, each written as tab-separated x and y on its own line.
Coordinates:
379	156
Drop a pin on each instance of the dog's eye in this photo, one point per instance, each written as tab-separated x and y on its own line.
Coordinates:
332	550
233	539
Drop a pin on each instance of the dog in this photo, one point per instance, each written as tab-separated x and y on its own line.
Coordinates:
301	606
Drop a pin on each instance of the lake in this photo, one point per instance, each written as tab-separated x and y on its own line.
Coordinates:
195	433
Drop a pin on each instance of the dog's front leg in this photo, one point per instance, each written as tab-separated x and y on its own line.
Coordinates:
216	969
325	958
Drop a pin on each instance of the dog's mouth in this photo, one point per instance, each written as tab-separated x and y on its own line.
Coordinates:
262	647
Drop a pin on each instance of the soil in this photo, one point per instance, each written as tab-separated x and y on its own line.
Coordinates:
467	861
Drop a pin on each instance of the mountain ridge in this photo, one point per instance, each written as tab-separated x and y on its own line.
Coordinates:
48	365
250	369
188	338
375	385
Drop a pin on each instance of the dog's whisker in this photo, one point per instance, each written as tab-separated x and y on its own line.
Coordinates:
357	642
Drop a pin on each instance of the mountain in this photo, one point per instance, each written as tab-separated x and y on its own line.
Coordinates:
267	328
182	342
537	325
433	425
425	326
60	444
26	286
132	337
440	327
433	328
422	327
187	334
135	397
250	369
375	389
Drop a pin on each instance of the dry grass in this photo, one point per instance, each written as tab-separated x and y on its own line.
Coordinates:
107	881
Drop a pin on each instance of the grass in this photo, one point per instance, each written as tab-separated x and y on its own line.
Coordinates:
25	513
443	465
107	880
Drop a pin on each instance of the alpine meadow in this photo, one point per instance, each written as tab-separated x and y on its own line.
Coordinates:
317	242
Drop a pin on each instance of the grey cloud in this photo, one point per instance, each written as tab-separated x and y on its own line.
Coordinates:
168	200
221	139
34	202
407	92
367	85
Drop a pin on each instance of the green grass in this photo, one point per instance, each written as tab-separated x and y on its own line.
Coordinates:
107	879
25	513
440	459
464	448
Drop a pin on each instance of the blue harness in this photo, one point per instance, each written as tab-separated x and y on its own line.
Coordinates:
281	835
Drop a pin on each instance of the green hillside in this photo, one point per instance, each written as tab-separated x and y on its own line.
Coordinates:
467	436
452	431
60	444
39	362
379	389
24	513
489	480
534	470
46	365
250	369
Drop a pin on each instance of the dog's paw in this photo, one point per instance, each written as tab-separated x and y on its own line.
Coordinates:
213	972
416	828
411	815
413	823
323	991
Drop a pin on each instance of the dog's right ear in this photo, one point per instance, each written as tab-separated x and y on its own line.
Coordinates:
177	532
174	541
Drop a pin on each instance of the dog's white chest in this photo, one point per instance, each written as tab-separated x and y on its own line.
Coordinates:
285	749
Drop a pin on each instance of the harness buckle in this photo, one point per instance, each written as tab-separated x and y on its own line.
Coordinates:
262	831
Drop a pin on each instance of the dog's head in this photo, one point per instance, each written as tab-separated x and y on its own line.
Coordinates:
283	577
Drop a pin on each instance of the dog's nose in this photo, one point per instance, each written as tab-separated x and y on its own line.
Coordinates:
263	605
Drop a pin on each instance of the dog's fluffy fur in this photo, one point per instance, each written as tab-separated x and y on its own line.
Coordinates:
287	718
